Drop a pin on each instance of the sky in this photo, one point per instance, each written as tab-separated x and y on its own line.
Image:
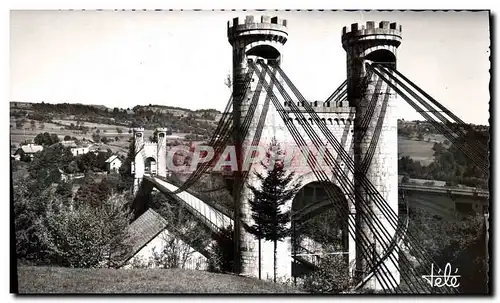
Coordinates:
123	59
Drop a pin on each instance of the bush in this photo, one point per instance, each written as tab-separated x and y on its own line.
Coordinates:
84	236
223	252
331	276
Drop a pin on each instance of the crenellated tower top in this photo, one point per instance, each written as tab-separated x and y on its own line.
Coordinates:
269	28
389	32
257	37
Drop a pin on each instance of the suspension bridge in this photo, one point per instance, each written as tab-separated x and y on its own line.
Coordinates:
349	147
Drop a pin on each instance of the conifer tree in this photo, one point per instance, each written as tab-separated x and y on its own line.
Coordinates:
275	190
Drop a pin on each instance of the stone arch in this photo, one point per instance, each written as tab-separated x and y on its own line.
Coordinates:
335	234
266	49
150	165
380	55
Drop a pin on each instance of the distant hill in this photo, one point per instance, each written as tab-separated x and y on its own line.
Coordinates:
197	122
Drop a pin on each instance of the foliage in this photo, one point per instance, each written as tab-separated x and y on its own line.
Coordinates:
94	193
331	275
460	242
450	165
46	165
274	192
185	233
46	139
90	162
30	207
125	171
154	138
64	192
223	251
151	117
87	236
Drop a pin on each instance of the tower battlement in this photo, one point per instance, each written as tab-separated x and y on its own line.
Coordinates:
322	107
138	130
149	143
383	30
252	28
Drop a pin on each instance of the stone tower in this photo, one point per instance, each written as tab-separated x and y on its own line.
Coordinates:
149	156
161	152
251	39
366	44
138	165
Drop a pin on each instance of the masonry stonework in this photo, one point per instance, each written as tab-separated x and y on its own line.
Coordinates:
263	39
156	151
374	43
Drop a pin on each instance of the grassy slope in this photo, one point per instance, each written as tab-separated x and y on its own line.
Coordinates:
419	150
34	279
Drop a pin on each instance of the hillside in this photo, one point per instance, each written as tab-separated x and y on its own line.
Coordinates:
36	280
179	120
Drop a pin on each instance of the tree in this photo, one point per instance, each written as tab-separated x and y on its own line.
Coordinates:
185	234
117	215
46	165
64	192
41	125
29	210
420	137
125	171
228	82
274	192
54	138
67	138
154	138
460	242
223	251
331	274
87	236
33	125
46	139
119	130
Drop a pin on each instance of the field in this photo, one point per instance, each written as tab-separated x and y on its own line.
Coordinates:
18	136
419	150
37	280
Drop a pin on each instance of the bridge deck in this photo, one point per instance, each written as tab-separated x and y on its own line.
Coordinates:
210	214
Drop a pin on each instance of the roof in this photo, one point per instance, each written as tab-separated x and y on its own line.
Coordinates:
143	230
31	148
68	143
112	158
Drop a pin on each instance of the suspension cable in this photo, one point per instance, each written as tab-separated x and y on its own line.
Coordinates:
475	146
462	145
346	159
315	142
439	105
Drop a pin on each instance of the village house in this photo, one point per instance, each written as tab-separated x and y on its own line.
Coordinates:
28	150
113	164
149	234
77	149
